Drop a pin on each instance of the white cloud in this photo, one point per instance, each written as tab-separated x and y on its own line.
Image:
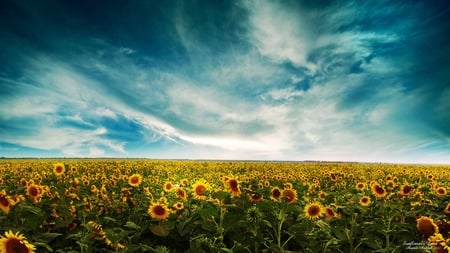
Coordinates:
96	152
280	34
105	112
126	50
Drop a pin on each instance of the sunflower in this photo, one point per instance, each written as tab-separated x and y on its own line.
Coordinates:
333	177
406	190
178	206
365	201
288	186
289	195
313	211
5	202
361	186
378	190
184	181
390	184
427	226
59	169
418	195
158	211
15	243
168	186
329	213
255	197
441	191
275	193
34	192
135	180
181	193
447	209
200	189
233	186
322	194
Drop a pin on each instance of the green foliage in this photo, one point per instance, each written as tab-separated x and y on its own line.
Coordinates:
93	208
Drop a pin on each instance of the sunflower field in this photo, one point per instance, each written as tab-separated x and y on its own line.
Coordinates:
142	205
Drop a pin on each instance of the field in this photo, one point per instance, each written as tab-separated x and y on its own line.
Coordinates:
125	205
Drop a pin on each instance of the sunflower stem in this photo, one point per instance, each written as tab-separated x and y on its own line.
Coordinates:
281	219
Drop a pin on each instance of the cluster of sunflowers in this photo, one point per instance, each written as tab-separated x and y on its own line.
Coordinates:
131	205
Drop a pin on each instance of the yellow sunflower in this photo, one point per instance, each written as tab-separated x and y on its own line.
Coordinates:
233	185
255	197
322	194
168	186
361	186
184	181
427	226
200	189
181	193
406	190
378	190
289	195
158	211
178	206
447	209
275	193
15	243
329	213
365	201
34	192
135	180
5	202
59	169
288	186
313	211
441	191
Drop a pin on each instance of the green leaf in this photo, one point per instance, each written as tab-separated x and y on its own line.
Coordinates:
44	245
47	237
107	218
340	234
132	225
32	209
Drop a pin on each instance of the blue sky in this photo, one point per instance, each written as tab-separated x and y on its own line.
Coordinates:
264	80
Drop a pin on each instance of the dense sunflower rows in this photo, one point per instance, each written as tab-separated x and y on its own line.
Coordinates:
107	205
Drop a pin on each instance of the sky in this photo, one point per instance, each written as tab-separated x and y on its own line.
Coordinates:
365	81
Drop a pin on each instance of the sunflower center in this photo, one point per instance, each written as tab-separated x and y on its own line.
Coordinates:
426	227
289	196
313	210
4	201
134	180
379	189
233	184
407	189
276	193
159	210
181	193
33	191
14	245
330	212
199	190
